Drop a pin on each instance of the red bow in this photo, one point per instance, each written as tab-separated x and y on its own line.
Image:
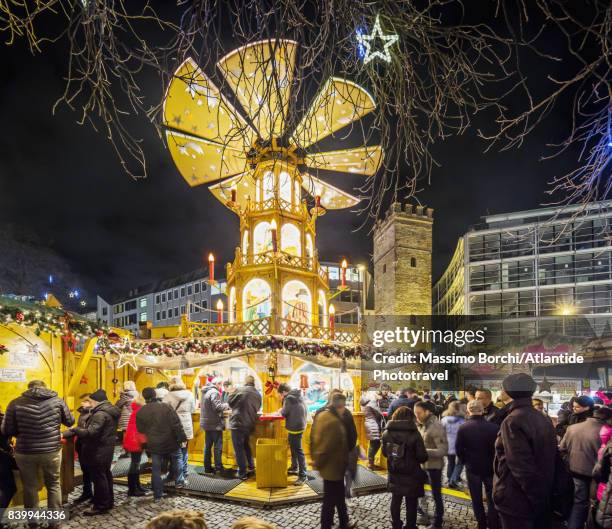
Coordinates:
271	386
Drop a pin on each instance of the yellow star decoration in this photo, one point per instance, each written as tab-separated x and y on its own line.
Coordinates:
366	42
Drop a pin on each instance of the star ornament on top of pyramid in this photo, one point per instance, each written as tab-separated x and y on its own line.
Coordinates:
367	40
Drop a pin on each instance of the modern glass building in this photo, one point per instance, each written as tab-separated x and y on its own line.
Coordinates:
533	271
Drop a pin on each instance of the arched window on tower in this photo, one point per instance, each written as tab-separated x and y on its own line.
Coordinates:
284	186
268	185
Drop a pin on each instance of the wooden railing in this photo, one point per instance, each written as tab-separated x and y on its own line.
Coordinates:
279	258
276	203
346	334
246	328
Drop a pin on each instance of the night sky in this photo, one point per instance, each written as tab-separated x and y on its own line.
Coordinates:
64	182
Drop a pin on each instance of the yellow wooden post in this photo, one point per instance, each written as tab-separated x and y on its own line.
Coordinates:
88	352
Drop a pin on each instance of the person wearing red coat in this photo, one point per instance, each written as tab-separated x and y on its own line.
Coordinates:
133	443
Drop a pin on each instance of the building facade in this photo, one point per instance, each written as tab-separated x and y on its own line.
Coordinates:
351	302
163	303
402	261
534	271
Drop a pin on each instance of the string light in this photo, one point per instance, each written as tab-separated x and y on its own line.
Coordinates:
366	42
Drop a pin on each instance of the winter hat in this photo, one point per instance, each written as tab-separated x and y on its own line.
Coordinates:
475	407
585	401
149	394
519	385
99	395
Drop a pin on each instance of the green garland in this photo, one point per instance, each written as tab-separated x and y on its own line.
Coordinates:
47	319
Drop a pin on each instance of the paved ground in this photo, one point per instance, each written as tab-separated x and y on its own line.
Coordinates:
371	512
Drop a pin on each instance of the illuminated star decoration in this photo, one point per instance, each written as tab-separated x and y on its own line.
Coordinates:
545	385
366	42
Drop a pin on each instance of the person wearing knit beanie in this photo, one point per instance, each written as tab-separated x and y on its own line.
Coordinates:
519	385
98	396
582	409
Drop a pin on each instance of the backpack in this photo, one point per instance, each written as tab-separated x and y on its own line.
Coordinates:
563	490
396	458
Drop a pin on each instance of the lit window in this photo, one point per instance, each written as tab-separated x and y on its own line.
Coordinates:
143	316
143	303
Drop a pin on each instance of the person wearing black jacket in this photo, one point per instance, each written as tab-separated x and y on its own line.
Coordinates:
34	419
84	411
525	455
491	412
405	451
475	448
97	440
408	397
162	426
582	409
7	465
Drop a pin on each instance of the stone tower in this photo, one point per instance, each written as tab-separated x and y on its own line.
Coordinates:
402	261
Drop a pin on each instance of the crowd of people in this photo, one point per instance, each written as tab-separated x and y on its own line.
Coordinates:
531	470
534	474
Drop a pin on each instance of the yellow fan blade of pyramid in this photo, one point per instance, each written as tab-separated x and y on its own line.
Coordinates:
194	105
362	160
201	161
244	185
338	104
260	74
331	197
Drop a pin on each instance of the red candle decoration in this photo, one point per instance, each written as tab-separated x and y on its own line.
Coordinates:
220	311
234	192
318	201
274	237
211	267
332	318
343	266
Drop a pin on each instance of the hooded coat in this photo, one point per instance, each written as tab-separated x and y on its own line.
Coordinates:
212	408
183	402
162	426
410	482
98	435
451	425
34	419
605	434
524	466
603	475
123	404
133	440
294	411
